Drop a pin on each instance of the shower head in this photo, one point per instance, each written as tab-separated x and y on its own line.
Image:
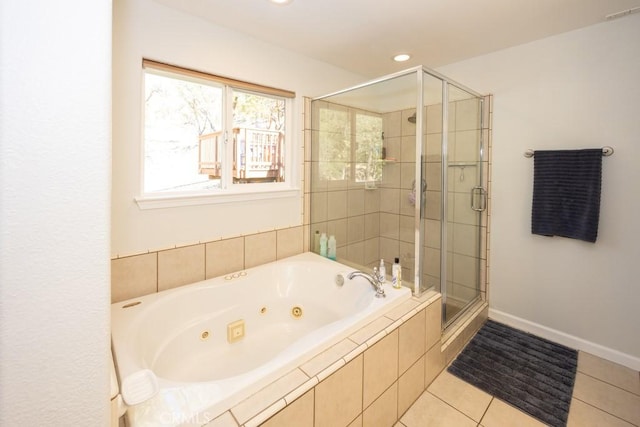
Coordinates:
412	118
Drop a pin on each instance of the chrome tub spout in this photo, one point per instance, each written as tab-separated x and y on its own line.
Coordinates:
374	279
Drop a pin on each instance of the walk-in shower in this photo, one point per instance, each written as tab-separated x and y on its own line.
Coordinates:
398	170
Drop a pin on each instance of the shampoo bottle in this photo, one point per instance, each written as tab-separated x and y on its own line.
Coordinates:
331	248
382	271
323	245
396	274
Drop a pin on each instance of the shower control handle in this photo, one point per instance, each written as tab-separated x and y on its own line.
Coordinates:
482	193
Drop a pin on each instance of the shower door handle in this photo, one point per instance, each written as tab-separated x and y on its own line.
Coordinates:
482	193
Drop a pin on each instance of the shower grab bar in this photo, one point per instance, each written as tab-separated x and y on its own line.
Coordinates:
606	151
483	198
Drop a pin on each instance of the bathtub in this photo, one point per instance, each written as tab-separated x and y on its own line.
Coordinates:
188	354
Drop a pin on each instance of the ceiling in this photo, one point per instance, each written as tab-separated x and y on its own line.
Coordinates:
362	35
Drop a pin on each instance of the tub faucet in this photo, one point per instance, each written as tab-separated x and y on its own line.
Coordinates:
374	279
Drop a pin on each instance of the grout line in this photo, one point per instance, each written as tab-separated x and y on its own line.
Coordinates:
602	410
486	410
451	406
608	383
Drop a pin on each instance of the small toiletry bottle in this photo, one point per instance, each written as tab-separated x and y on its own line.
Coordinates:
382	271
316	242
331	247
396	274
323	244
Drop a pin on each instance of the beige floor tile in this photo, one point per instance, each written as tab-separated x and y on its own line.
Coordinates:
611	399
433	412
501	414
357	422
609	372
466	398
584	415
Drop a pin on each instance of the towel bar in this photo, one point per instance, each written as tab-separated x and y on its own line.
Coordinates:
606	151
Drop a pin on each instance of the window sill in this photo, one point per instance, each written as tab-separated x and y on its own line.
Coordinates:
178	200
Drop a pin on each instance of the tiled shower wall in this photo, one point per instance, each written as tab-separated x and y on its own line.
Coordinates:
343	208
370	224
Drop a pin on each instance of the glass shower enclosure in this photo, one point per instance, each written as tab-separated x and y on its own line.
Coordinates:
398	170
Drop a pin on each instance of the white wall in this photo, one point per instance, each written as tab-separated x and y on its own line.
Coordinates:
143	28
55	82
576	90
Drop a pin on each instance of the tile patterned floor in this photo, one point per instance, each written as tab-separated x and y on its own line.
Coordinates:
605	395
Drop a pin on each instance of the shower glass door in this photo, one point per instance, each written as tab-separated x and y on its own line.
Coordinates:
465	200
396	171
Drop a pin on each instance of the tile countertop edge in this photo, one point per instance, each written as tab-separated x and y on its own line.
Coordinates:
265	413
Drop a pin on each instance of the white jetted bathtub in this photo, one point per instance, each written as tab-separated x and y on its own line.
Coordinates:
188	354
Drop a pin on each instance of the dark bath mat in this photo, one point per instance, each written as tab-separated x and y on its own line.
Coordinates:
528	372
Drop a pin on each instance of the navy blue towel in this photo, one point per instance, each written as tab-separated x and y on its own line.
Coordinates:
566	193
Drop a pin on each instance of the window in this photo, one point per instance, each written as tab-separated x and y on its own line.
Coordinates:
351	144
211	135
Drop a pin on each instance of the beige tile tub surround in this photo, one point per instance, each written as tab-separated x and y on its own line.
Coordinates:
357	382
299	413
139	275
289	242
224	256
260	249
339	397
380	367
412	341
180	266
134	276
411	385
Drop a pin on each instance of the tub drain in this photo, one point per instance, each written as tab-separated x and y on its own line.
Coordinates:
296	312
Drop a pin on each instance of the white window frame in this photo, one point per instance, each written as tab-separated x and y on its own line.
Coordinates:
230	192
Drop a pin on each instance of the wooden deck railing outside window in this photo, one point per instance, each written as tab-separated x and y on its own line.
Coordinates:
257	155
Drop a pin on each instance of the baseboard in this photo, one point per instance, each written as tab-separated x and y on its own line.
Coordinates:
566	339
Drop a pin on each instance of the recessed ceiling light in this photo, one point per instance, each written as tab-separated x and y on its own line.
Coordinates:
281	2
402	57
